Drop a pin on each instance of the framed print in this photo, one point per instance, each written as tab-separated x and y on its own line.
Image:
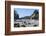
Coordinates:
24	17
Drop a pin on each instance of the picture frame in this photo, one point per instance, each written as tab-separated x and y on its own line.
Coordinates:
10	5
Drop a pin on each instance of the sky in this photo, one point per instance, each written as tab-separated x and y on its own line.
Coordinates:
24	11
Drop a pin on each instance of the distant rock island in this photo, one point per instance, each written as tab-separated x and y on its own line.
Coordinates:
35	15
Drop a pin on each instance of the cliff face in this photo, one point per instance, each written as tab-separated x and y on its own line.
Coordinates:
35	15
16	15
